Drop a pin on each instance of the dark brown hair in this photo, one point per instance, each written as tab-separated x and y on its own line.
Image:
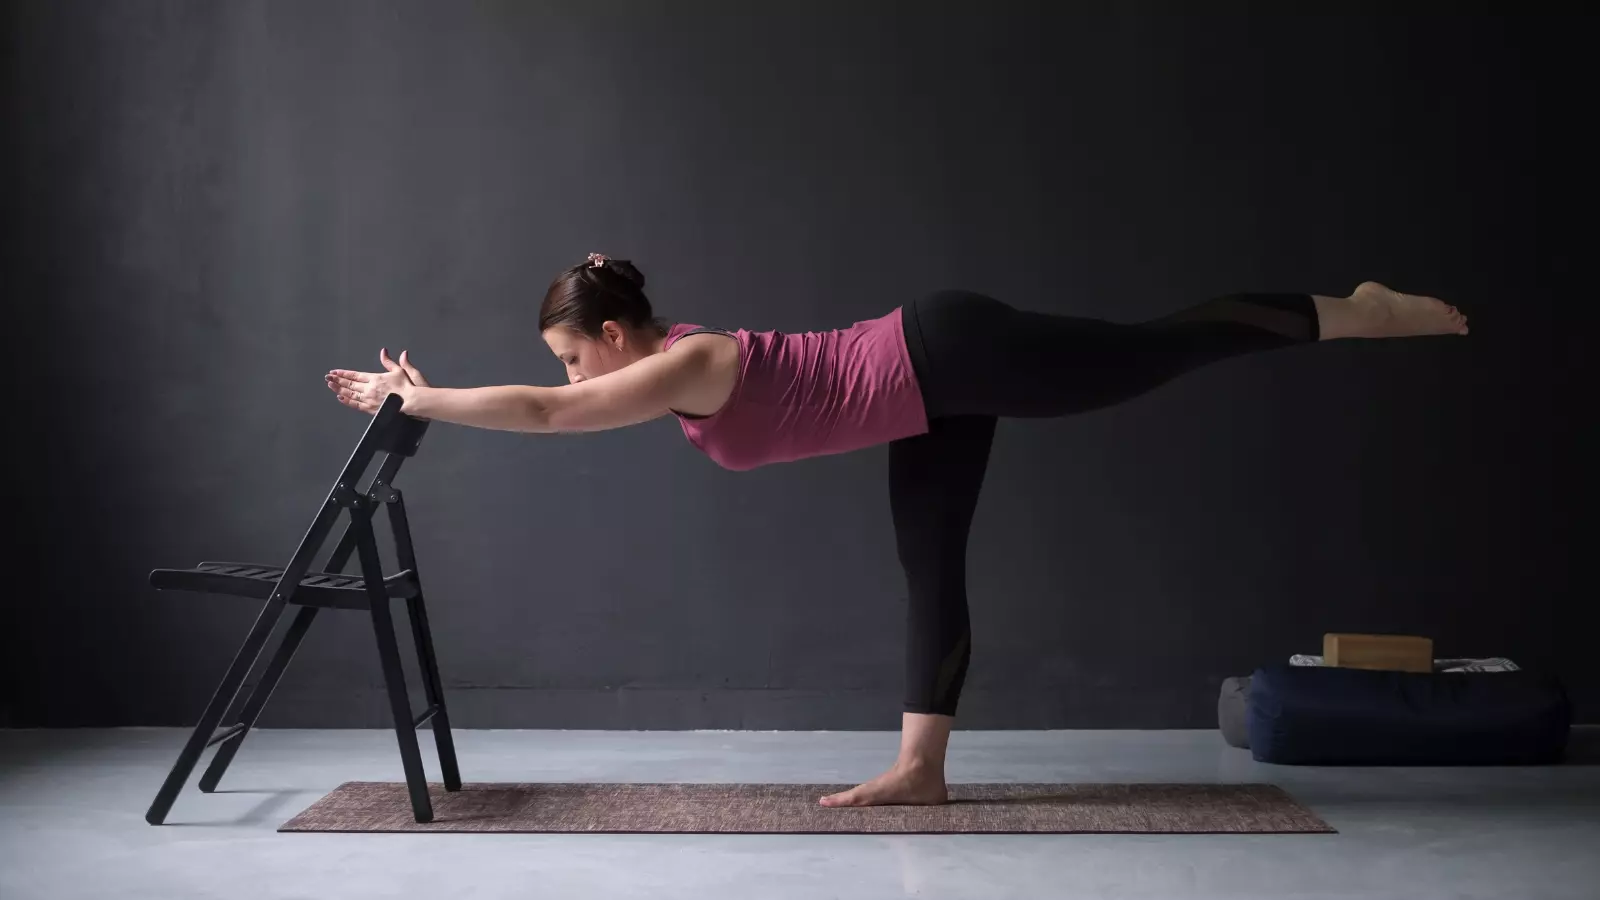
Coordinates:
585	297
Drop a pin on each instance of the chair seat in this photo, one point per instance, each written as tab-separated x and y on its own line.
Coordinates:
257	581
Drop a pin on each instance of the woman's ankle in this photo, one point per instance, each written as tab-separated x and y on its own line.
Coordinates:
918	765
1337	317
923	740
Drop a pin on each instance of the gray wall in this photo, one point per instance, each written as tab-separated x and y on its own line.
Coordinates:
211	204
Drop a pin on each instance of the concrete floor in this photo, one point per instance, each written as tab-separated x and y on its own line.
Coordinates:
72	804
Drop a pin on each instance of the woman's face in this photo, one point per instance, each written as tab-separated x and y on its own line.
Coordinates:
586	357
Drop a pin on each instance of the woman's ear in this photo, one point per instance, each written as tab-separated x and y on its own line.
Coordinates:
615	334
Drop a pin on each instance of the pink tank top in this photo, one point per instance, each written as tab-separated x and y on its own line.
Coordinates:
811	394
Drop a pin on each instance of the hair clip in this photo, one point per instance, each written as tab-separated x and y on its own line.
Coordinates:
598	260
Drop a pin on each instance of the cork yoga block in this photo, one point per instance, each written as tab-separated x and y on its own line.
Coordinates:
1397	652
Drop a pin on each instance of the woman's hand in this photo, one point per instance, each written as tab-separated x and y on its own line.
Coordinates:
366	390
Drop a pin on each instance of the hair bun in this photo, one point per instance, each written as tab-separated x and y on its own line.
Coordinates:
589	294
627	270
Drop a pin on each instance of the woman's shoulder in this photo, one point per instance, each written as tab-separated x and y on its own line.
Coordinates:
683	330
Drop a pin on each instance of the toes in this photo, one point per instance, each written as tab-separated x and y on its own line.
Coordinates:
843	798
1457	320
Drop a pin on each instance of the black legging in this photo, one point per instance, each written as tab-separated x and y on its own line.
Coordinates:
976	359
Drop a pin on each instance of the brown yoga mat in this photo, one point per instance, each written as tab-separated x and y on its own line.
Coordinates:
591	807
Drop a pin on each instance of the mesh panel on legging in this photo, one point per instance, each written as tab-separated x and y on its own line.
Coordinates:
934	479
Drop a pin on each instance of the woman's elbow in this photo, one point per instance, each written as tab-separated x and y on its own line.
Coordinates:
540	414
550	414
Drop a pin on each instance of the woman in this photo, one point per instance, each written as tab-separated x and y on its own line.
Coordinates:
929	378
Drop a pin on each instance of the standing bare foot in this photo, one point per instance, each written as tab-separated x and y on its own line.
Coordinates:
901	785
1380	312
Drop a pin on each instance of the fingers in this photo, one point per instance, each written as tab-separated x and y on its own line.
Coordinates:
350	384
346	395
355	401
411	371
357	389
353	397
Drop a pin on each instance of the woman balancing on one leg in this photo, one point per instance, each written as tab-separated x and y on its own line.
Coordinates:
929	378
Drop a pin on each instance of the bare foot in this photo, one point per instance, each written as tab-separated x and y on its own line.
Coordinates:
1388	313
900	785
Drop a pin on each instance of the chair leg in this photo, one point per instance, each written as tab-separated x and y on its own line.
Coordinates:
434	688
220	701
401	526
259	697
394	675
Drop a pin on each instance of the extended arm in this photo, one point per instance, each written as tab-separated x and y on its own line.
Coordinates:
638	392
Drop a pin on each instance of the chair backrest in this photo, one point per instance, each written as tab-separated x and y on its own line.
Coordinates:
402	435
399	436
391	431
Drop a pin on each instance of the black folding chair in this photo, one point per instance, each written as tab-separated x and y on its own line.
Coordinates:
399	436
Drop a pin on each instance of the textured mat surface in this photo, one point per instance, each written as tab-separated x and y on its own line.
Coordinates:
792	808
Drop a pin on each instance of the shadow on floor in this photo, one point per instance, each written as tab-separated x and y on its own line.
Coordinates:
269	810
1583	747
